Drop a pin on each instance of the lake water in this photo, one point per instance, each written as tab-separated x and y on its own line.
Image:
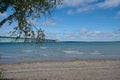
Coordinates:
25	52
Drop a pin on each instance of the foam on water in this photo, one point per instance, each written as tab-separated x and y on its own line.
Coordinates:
72	52
43	47
95	53
7	57
44	54
28	51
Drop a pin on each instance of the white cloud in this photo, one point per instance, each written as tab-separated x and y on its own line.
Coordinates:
95	33
84	31
85	35
84	9
46	22
75	3
109	4
52	35
79	5
81	9
88	5
49	22
70	12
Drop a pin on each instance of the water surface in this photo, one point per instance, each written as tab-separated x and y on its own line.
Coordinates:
23	52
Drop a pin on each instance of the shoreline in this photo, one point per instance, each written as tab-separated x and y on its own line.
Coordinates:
64	70
69	60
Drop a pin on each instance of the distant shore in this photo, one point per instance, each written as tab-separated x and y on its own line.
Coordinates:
64	70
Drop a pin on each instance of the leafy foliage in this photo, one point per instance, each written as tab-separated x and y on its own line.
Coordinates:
22	10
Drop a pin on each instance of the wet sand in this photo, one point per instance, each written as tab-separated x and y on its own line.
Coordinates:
63	70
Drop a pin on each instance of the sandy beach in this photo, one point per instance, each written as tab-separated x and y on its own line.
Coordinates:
63	70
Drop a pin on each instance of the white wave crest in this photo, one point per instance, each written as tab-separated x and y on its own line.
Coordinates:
43	47
72	52
7	57
96	53
27	51
44	54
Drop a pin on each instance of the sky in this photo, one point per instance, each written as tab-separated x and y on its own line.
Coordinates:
79	20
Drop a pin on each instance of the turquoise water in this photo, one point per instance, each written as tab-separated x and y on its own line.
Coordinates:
23	52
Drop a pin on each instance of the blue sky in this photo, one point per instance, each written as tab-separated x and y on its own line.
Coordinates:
79	20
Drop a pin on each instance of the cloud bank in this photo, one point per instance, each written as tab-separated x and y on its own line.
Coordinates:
85	34
78	6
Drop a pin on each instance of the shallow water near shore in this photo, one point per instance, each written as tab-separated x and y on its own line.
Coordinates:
26	52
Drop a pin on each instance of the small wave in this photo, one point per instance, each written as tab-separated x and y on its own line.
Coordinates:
80	53
27	51
7	57
95	53
43	47
73	52
44	54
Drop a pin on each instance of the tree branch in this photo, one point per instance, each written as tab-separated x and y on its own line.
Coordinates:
8	18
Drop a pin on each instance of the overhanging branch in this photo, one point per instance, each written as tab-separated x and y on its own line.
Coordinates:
8	18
